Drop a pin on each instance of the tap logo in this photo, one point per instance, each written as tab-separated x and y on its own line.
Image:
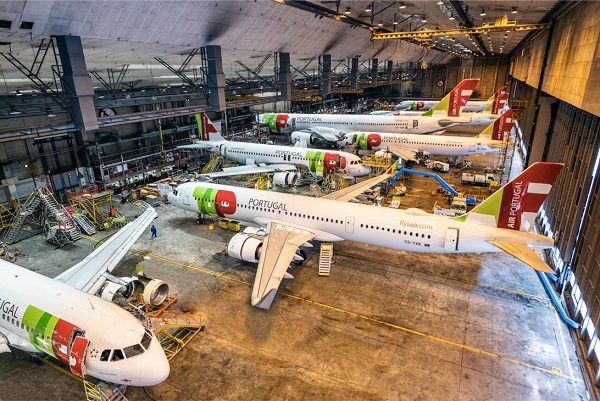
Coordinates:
215	201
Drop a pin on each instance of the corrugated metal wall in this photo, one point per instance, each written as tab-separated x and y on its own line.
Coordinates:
572	214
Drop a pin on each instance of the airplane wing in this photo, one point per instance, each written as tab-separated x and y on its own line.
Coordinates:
199	145
278	250
524	253
250	169
345	194
87	275
403	153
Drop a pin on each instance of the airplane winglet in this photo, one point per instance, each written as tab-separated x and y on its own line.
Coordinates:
266	301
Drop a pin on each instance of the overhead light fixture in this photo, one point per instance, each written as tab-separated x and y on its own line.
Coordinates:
451	17
18	93
13	111
482	13
402	5
439	3
347	12
514	10
395	22
424	18
49	112
368	9
380	24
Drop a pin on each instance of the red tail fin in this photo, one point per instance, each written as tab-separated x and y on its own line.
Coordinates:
499	103
502	126
460	96
515	205
208	131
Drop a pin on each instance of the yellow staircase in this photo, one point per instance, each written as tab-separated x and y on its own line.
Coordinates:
325	259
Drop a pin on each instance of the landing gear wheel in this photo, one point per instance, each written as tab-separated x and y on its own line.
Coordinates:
300	252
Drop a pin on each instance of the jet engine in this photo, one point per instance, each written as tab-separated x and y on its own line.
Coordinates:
122	290
298	136
245	247
285	179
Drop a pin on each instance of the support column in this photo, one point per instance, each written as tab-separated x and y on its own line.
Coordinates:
390	68
216	78
354	74
77	83
374	63
285	77
326	77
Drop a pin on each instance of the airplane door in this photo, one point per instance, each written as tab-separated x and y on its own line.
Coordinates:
186	196
451	241
77	352
350	224
472	146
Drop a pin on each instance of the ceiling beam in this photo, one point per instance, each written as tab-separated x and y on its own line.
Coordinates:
428	34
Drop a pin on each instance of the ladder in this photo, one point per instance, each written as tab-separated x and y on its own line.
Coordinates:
95	213
84	223
25	210
316	188
325	259
56	211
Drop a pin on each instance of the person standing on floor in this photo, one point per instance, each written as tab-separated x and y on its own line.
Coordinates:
153	231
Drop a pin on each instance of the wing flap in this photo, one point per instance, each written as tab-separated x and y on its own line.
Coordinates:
279	248
524	253
86	274
250	169
403	153
345	194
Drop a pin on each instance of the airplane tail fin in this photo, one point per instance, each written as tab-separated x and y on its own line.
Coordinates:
454	101
497	101
208	131
515	205
499	129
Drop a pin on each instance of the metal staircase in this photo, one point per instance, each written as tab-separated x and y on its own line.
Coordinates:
24	211
316	188
215	162
59	226
325	259
82	221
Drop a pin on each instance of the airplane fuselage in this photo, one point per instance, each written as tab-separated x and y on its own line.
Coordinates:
284	122
412	230
93	336
318	162
424	105
442	145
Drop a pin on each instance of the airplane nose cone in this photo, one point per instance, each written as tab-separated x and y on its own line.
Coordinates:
156	372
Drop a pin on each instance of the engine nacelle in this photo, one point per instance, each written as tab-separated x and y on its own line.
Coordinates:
245	247
156	292
285	179
122	289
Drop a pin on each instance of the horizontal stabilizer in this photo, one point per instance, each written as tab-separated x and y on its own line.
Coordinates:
524	253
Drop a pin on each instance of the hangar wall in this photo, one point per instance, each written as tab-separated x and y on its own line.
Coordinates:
573	61
555	76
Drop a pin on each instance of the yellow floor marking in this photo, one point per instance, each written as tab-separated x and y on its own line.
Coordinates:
364	317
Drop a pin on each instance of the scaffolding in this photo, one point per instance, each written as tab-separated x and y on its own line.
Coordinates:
94	203
214	164
6	217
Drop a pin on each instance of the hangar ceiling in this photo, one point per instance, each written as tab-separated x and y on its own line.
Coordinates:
133	33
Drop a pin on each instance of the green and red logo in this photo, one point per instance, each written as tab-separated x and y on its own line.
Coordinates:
276	122
324	163
50	334
368	141
215	201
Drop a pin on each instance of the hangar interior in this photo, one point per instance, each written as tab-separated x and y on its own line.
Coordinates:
98	95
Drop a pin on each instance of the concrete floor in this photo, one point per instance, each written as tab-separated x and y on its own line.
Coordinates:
386	325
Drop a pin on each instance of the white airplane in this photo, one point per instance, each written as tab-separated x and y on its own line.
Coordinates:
446	115
279	159
66	320
408	146
499	223
471	106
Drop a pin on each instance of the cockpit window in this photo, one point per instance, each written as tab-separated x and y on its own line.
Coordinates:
117	355
175	192
105	354
146	339
133	350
